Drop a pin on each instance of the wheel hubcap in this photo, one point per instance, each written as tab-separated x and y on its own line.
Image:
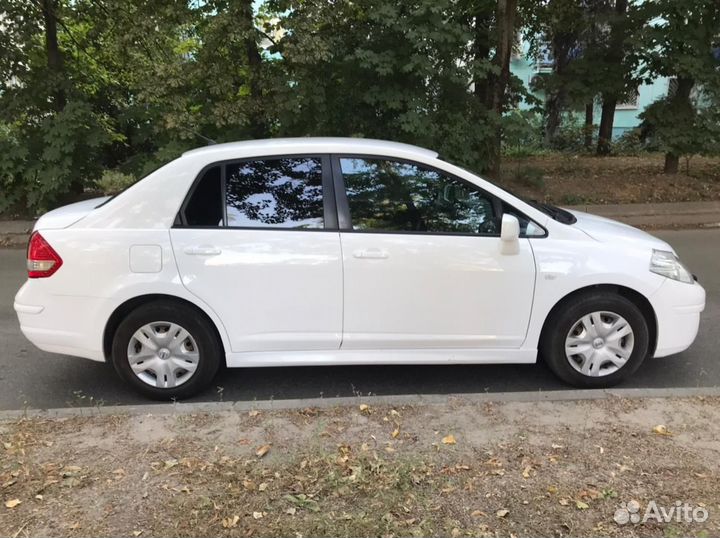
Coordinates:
163	354
599	344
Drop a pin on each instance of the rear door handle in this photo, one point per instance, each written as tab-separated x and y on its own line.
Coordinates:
202	250
371	254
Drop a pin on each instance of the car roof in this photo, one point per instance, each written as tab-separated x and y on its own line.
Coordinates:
315	145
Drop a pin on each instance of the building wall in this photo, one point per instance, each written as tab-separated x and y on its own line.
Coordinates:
626	116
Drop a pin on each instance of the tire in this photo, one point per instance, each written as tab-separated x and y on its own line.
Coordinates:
169	366
601	364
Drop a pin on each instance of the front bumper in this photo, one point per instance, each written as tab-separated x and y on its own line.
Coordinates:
677	307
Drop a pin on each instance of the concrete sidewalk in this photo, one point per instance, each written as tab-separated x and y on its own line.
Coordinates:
15	233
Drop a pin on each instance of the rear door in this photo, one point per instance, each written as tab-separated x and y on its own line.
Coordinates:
257	240
423	266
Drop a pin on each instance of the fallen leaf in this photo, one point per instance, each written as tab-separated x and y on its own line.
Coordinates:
581	505
526	472
12	503
170	463
365	408
395	433
137	533
258	515
7	446
661	429
552	490
39	497
260	452
502	513
291	511
564	502
478	513
229	523
449	440
263	486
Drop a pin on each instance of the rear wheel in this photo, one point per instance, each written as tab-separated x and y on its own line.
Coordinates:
595	339
165	350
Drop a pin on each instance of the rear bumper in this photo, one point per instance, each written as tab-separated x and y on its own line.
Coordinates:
677	308
65	324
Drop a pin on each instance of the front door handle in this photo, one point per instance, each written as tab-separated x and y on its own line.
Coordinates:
202	250
371	254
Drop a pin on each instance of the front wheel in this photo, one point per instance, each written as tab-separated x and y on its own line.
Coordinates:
166	350
595	340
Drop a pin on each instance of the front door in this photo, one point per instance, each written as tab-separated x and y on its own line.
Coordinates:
258	242
423	266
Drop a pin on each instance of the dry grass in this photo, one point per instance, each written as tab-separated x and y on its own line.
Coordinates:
549	469
577	179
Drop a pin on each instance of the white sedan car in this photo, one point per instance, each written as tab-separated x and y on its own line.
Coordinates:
332	251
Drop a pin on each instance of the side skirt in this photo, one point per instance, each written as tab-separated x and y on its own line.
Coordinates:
353	357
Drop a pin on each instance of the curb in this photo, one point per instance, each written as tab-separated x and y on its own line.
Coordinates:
323	403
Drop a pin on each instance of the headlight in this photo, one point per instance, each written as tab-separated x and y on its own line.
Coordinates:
667	264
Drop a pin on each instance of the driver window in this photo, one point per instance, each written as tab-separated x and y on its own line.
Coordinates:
393	196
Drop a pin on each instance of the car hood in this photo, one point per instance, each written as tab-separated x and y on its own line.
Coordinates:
67	215
607	230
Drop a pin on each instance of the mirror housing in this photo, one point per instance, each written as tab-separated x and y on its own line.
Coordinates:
509	234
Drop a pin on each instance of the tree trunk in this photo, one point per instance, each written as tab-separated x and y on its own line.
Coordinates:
672	162
55	62
505	21
681	100
589	110
607	119
616	55
481	51
258	125
555	103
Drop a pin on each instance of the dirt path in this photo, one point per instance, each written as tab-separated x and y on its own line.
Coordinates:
460	469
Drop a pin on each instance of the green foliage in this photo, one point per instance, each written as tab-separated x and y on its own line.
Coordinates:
630	143
523	134
130	84
114	181
683	43
570	137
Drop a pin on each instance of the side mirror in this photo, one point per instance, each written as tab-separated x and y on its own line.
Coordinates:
509	235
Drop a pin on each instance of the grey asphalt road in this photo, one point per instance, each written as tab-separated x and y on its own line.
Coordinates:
30	378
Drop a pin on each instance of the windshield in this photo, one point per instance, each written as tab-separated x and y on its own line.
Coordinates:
554	212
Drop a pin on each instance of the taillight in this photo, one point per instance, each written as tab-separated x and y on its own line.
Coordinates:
42	260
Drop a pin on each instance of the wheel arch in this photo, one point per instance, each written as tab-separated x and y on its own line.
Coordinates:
637	298
131	304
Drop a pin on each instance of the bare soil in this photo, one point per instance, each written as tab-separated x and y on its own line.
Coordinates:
584	179
459	469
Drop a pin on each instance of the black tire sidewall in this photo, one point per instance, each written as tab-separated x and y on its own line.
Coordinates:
559	324
209	348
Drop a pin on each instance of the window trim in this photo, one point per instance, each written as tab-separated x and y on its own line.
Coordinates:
343	205
330	215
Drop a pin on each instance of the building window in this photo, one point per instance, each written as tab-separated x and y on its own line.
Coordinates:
545	58
630	103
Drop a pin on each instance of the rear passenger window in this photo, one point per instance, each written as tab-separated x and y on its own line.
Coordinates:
205	205
275	193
